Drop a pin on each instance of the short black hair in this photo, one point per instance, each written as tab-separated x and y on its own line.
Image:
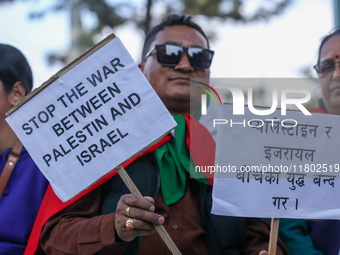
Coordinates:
171	20
13	68
326	38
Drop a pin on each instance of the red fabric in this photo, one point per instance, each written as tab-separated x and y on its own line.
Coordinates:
317	110
51	204
198	140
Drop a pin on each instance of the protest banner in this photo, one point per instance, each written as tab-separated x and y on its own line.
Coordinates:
89	118
275	167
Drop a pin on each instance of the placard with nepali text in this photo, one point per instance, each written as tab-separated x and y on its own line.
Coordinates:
277	166
96	115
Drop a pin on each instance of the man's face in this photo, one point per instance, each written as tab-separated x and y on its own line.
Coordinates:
172	83
331	85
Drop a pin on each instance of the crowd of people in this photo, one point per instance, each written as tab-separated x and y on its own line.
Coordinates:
106	218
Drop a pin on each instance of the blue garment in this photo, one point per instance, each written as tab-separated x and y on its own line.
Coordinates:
326	236
294	234
19	203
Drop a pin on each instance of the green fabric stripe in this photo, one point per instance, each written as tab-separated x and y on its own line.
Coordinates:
173	159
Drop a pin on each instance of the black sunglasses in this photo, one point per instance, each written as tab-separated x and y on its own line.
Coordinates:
170	55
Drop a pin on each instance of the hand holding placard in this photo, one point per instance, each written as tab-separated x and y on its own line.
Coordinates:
90	117
160	229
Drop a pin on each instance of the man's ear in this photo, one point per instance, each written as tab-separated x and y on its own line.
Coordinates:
141	66
17	93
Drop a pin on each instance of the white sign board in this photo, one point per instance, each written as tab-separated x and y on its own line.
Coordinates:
277	166
91	119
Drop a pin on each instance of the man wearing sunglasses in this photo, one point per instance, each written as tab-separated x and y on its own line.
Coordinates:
171	56
109	220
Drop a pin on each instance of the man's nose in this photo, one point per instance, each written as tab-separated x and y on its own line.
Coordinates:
184	64
336	72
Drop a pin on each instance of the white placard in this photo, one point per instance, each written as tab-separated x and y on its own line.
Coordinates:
277	166
90	120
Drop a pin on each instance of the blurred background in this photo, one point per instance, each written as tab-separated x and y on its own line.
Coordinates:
251	38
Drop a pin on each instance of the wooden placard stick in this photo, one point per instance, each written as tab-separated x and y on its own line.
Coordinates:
159	228
274	230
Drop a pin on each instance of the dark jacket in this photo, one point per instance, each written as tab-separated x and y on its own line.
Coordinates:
224	235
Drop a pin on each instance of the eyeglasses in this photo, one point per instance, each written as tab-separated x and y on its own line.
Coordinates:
170	55
326	68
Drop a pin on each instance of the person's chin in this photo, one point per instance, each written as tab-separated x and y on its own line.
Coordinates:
182	99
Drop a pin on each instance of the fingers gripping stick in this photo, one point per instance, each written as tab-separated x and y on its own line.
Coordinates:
159	228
